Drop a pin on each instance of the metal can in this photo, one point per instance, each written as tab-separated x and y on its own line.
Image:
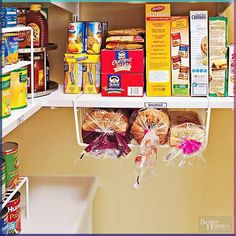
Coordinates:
11	48
94	32
14	215
9	153
3	179
2	51
4	221
19	88
6	95
76	37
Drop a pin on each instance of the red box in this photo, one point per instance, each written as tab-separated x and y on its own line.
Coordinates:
122	61
122	85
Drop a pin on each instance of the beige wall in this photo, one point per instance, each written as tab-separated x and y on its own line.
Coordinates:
170	203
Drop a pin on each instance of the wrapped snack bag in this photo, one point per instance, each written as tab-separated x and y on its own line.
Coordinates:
150	130
187	138
106	132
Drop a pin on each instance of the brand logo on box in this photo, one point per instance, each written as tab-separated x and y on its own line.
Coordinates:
199	16
122	61
159	8
114	84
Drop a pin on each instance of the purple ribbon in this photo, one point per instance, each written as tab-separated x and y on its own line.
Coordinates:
190	146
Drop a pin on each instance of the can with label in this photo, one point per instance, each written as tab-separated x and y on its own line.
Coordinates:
9	153
11	48
3	179
6	95
19	88
2	51
4	221
14	215
76	37
94	33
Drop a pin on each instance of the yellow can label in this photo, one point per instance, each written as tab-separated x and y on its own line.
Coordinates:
19	88
6	95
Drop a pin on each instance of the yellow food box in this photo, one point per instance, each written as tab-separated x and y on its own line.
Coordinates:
158	60
75	76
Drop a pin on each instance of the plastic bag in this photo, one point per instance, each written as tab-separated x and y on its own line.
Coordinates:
106	132
150	130
187	139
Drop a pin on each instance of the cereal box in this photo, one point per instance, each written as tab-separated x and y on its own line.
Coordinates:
218	45
199	52
180	56
158	61
231	71
122	73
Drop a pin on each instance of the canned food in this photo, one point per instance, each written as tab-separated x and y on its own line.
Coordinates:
3	179
14	215
19	88
76	31
94	33
11	48
9	153
2	51
7	11
8	21
6	95
4	221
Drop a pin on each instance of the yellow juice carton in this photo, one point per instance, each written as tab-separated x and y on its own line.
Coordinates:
180	55
158	60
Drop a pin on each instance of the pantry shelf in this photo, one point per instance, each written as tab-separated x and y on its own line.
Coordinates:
18	65
11	192
66	205
18	117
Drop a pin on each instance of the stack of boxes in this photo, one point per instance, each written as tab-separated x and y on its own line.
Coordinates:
8	17
122	73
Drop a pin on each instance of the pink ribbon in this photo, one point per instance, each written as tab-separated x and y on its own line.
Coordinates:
190	146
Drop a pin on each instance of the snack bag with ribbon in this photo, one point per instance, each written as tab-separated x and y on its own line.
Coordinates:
150	130
187	138
106	133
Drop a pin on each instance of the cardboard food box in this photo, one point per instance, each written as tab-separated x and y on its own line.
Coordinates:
199	52
180	55
231	68
122	61
123	85
218	45
122	73
158	60
82	72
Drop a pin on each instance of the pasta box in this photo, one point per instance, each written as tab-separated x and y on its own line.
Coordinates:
122	61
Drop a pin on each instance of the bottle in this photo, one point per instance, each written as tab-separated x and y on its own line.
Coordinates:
47	70
39	77
21	21
38	22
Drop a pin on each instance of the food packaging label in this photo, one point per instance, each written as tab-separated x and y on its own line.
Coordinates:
199	52
218	45
158	61
231	71
180	55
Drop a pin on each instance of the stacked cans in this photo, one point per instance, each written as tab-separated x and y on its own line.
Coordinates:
8	17
86	37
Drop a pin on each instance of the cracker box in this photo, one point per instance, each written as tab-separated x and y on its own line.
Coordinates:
231	68
218	45
82	72
122	73
199	52
158	60
180	55
122	61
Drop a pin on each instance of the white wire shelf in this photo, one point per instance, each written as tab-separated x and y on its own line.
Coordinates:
15	29
11	192
18	65
18	117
